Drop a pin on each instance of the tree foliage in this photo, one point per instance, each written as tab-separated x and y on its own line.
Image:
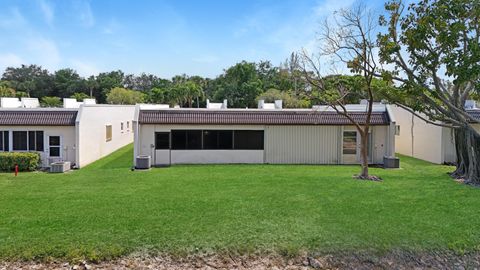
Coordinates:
289	101
124	96
51	102
435	49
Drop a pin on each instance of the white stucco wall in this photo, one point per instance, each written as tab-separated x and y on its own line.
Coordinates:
67	139
91	130
421	140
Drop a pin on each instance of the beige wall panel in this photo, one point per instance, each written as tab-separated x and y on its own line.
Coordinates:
302	144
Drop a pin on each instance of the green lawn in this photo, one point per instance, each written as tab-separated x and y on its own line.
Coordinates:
106	210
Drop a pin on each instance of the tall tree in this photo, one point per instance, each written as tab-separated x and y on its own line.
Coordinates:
107	81
66	82
32	79
240	84
124	96
6	90
435	50
349	37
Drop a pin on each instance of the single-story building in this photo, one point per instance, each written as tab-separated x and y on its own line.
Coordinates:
78	135
422	140
274	136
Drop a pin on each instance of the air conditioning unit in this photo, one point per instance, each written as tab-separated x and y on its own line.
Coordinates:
60	167
143	162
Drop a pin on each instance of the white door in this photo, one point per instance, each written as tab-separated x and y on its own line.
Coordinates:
54	149
161	154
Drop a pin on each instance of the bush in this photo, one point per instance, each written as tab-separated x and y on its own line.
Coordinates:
26	161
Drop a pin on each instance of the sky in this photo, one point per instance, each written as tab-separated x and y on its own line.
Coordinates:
165	38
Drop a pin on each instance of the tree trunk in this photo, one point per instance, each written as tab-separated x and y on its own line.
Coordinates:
364	153
467	144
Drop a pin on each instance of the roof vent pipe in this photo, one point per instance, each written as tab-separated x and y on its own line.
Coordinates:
261	104
470	104
278	104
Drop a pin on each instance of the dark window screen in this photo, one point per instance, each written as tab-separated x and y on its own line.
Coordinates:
20	141
217	139
6	141
179	139
1	141
54	151
54	140
31	140
248	139
39	140
194	139
162	140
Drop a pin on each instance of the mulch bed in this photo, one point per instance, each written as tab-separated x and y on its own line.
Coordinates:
393	260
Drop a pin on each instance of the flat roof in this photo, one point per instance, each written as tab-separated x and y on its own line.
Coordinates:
38	117
257	117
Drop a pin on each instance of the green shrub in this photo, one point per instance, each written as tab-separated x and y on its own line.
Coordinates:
27	161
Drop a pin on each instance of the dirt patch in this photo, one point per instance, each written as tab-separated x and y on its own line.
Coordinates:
342	261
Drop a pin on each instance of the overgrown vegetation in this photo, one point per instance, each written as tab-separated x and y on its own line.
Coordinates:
26	161
105	210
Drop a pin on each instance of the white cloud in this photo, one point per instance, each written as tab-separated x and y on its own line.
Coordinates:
10	60
47	10
85	14
84	68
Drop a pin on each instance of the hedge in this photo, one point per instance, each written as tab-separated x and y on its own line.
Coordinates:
26	161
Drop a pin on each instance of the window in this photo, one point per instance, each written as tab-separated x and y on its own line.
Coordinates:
186	139
20	141
4	141
121	126
54	144
27	140
217	139
248	139
35	140
108	133
397	130
162	140
349	142
128	124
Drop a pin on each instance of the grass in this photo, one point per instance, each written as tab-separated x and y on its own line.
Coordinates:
105	210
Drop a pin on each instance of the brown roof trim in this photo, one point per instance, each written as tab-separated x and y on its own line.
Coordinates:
256	117
38	118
